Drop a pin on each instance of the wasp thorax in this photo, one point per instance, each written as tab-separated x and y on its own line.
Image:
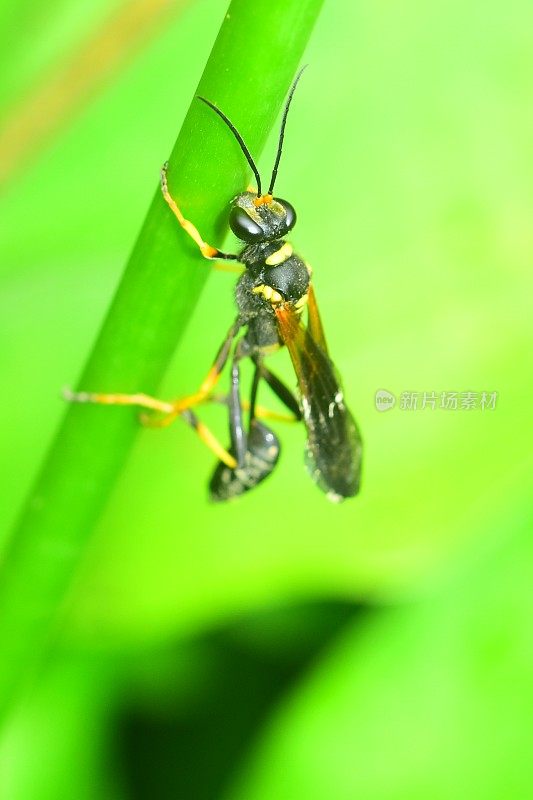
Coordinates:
254	219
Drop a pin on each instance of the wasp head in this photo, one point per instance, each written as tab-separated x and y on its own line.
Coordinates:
265	218
254	216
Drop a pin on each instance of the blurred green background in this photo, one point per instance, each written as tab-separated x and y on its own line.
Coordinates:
281	647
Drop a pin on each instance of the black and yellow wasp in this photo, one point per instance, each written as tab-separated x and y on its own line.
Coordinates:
271	295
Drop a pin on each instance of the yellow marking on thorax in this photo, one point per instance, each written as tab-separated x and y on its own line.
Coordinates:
301	303
268	293
281	255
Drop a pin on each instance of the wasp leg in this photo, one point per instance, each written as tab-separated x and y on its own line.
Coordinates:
209	439
280	390
278	387
253	393
261	412
207	386
266	413
207	250
145	401
170	409
239	439
117	399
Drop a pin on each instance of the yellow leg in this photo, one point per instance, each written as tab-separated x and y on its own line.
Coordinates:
139	399
170	408
260	411
208	384
209	439
207	250
177	407
265	413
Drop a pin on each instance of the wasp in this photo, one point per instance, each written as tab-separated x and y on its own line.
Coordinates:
272	293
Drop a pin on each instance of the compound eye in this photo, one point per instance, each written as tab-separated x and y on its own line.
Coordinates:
290	214
243	226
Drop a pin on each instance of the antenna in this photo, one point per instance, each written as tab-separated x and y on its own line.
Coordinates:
239	138
282	131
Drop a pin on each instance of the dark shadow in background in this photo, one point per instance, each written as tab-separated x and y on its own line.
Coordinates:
191	745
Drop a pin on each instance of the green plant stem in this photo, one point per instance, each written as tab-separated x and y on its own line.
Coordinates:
250	68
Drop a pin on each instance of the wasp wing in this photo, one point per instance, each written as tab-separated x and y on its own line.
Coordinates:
314	323
333	441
